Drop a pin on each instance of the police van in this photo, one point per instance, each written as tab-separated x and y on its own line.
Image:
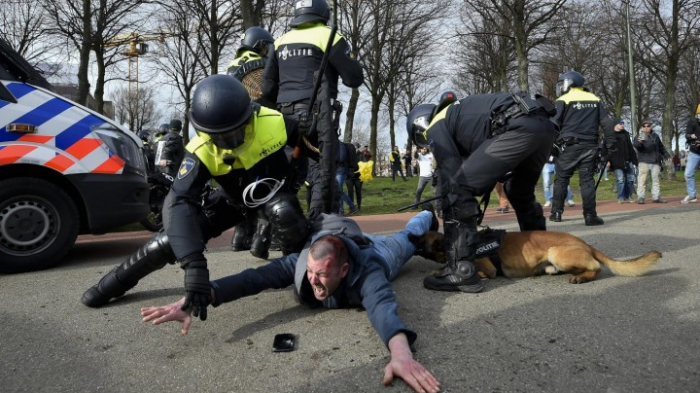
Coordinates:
65	170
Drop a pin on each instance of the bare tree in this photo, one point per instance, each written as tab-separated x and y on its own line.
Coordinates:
670	35
23	26
138	111
88	25
529	27
393	33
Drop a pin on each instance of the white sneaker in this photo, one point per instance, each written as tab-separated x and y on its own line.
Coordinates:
571	202
548	204
689	199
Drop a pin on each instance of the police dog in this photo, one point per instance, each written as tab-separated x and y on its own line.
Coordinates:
532	253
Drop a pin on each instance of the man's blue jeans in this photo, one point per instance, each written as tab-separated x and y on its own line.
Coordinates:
396	249
547	172
340	178
691	165
625	181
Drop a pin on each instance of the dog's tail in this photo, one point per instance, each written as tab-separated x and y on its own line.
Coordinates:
631	267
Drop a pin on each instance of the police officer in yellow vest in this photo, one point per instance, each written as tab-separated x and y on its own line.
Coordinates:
580	114
249	63
290	74
239	144
256	42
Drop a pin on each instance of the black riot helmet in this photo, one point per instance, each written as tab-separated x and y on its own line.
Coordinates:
221	108
310	11
175	125
446	99
257	40
162	129
418	121
568	80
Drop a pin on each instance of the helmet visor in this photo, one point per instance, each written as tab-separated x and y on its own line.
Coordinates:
419	127
230	139
563	86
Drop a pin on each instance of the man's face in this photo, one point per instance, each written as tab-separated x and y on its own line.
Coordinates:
646	128
325	275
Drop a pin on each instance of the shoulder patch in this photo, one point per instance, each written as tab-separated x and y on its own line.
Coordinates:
348	53
185	167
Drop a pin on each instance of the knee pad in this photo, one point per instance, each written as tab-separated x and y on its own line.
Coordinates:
287	219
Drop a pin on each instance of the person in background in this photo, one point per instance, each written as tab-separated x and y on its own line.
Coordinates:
502	198
353	181
623	162
407	163
172	150
580	114
346	156
548	170
425	171
650	152
692	161
395	160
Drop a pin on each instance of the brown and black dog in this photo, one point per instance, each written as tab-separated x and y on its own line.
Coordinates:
532	253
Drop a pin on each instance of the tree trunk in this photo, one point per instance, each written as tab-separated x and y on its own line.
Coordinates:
350	115
83	81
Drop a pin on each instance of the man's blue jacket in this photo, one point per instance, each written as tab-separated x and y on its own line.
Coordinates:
366	284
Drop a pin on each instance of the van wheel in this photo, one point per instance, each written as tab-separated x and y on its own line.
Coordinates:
39	223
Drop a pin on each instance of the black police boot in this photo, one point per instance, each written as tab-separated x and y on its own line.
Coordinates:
261	240
242	236
460	274
555	216
593	220
152	256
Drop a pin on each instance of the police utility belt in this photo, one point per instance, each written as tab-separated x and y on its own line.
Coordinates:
523	105
291	108
562	143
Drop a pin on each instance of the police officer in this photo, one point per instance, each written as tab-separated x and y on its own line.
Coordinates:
238	143
579	114
249	63
289	74
172	151
248	67
478	141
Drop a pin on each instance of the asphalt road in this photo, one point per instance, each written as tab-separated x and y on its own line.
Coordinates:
616	334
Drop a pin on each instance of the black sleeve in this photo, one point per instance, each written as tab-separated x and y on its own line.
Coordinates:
343	60
558	118
270	79
607	124
173	147
276	275
352	159
181	223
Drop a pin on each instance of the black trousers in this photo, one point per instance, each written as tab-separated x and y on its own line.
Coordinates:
581	157
521	151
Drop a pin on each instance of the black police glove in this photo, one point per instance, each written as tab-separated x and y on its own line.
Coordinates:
197	287
434	181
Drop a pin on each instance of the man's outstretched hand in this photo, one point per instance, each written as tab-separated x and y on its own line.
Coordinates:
167	313
404	366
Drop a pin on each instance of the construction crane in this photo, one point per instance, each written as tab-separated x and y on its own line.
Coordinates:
136	45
